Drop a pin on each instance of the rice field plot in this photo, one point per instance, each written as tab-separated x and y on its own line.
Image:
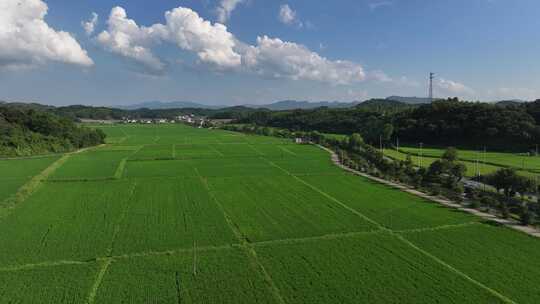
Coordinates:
237	150
115	134
14	173
187	151
518	161
169	214
257	139
390	207
224	276
90	165
307	151
64	284
279	207
235	167
472	167
140	140
61	222
373	268
161	168
301	166
9	187
25	167
150	152
503	259
230	138
277	151
116	148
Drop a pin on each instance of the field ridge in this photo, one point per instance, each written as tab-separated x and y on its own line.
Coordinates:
441	262
502	297
97	283
30	187
244	243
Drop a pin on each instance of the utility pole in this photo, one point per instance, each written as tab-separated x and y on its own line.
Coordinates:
477	166
421	155
430	93
397	144
380	143
483	165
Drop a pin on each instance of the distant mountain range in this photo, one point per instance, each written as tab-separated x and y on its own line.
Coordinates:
158	105
295	104
512	102
290	104
410	100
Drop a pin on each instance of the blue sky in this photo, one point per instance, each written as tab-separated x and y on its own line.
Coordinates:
270	50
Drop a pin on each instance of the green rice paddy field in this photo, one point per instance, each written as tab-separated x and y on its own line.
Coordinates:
173	214
492	163
488	162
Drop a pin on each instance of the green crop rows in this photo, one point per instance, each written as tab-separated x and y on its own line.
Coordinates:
173	214
475	161
15	173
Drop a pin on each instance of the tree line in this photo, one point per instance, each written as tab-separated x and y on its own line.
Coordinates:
445	122
28	131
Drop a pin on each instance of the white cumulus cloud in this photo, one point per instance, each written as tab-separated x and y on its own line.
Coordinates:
124	37
216	47
211	42
276	58
90	25
225	9
453	87
286	14
379	76
27	40
289	16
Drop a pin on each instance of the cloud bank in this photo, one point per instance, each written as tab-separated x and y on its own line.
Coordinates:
453	87
26	40
216	47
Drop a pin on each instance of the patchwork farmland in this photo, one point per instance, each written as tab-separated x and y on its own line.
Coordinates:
173	214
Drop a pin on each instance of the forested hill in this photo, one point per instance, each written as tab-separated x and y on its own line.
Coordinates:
447	122
26	131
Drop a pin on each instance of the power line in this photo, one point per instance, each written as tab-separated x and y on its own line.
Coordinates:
431	77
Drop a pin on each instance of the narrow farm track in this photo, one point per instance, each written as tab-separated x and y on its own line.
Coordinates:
444	227
216	150
316	238
401	238
121	219
255	149
97	282
34	184
287	150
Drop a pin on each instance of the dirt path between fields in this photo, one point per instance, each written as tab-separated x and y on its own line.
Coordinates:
509	223
32	185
